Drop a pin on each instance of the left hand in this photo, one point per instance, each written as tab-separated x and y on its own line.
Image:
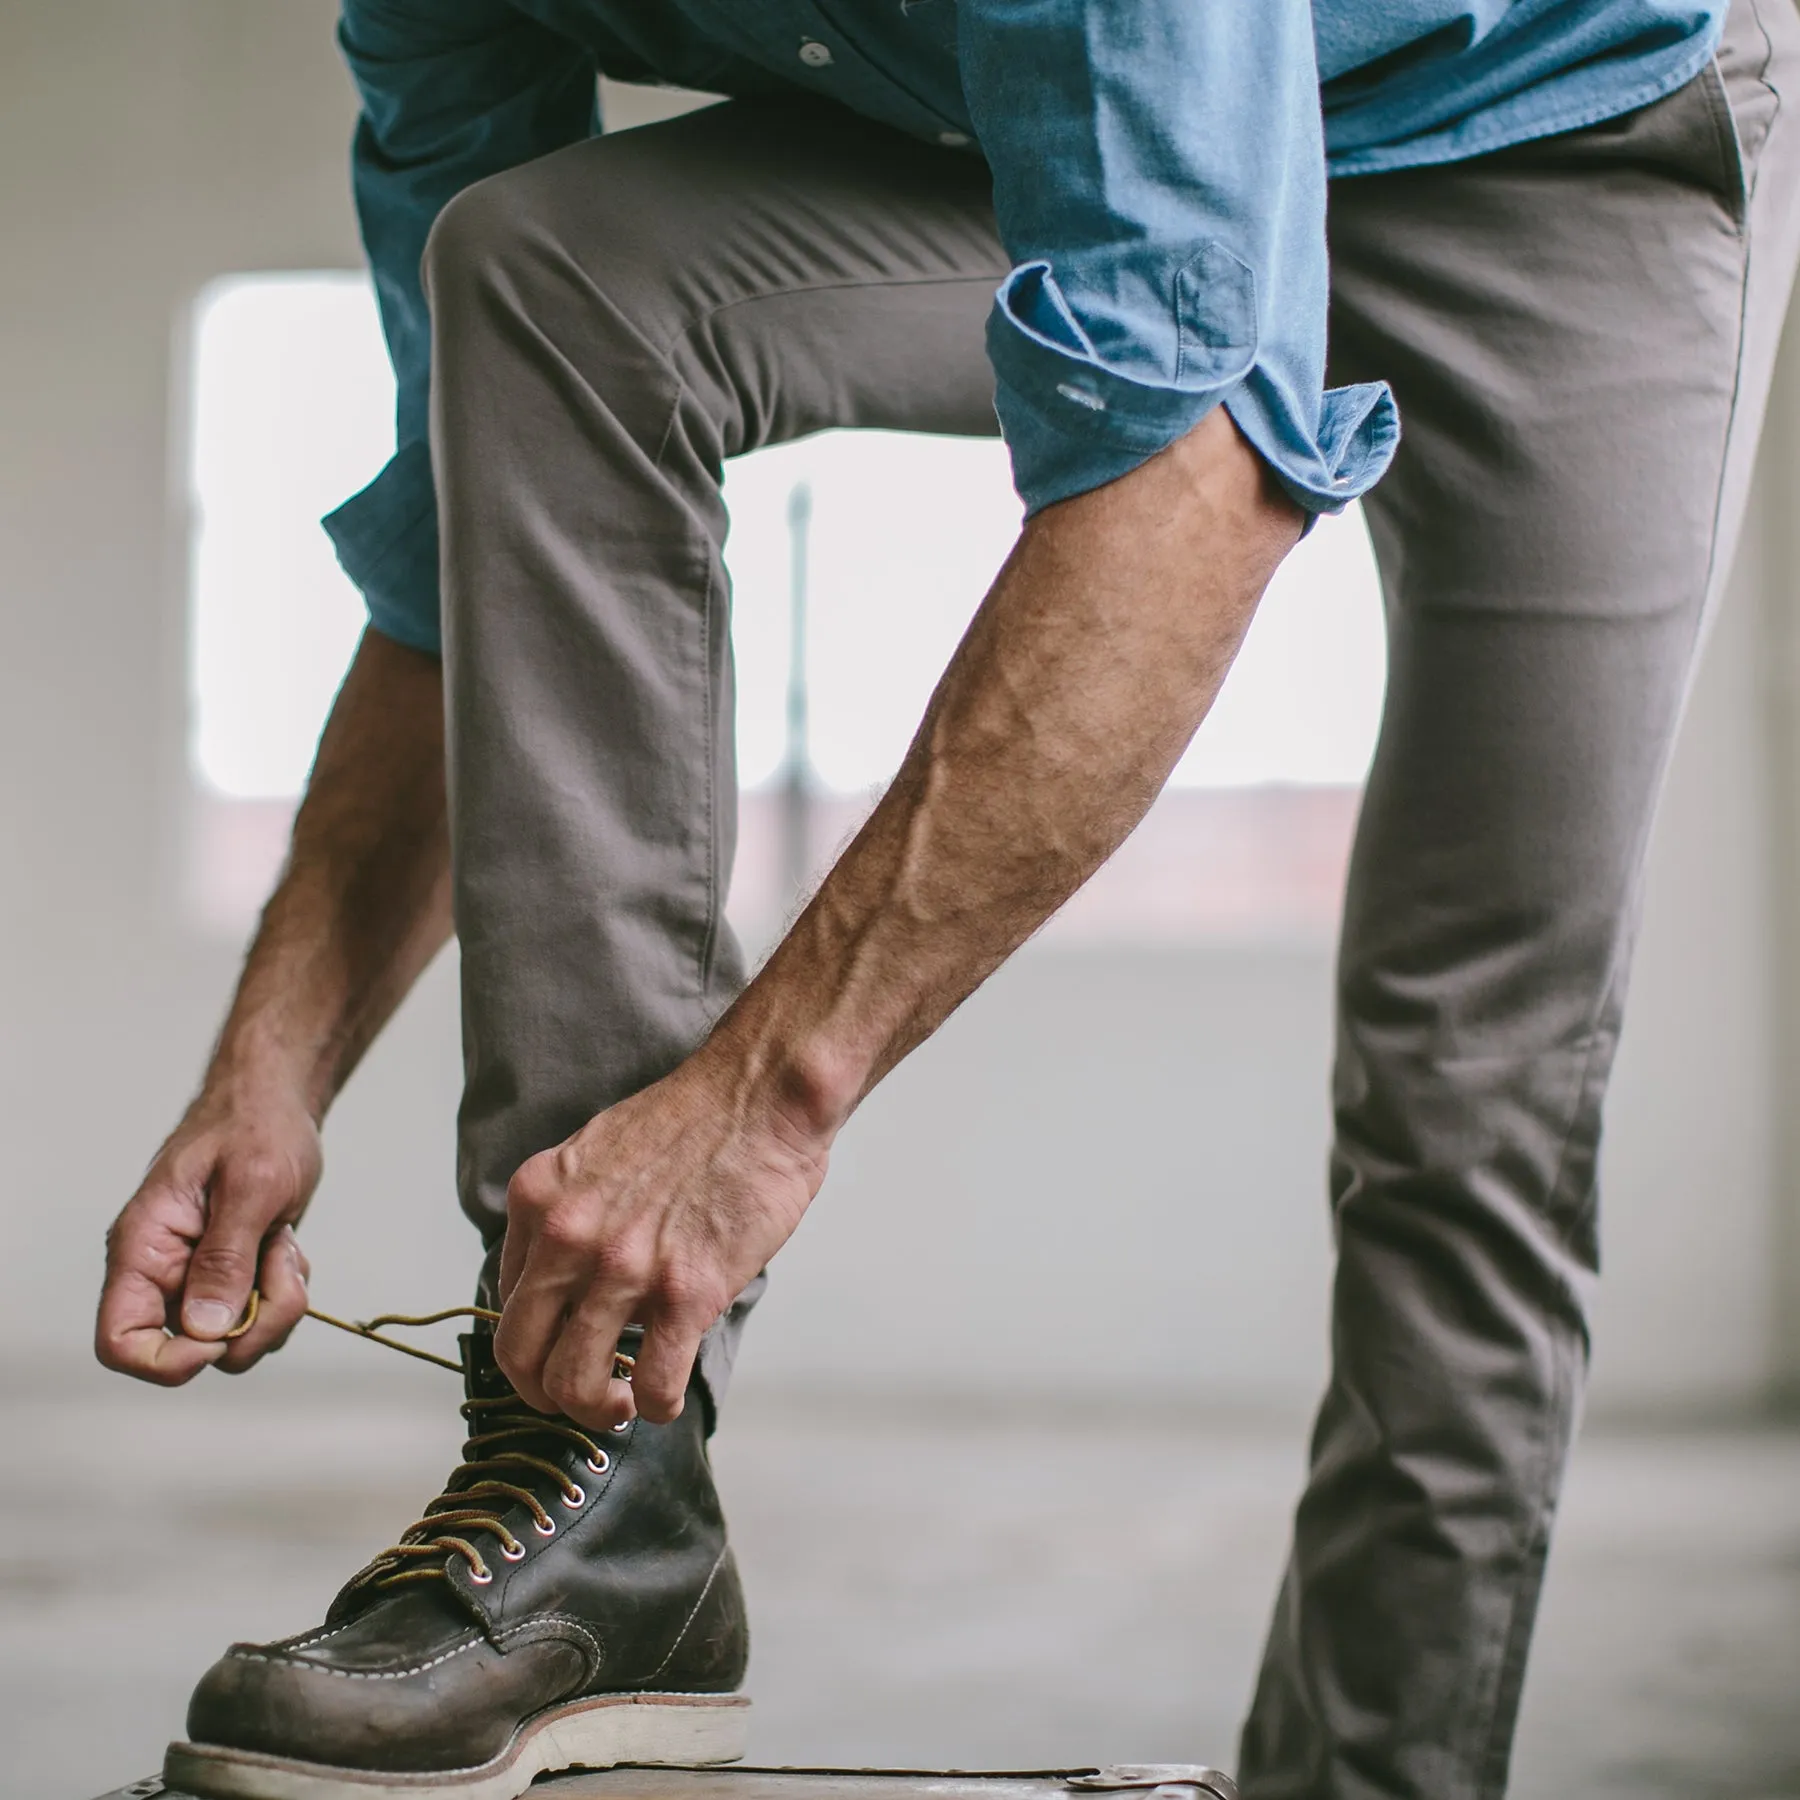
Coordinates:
659	1212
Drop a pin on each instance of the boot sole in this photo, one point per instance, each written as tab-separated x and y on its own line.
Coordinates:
682	1729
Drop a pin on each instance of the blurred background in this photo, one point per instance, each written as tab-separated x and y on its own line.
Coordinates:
1018	1429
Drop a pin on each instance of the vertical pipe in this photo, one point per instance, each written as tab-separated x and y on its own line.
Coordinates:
796	781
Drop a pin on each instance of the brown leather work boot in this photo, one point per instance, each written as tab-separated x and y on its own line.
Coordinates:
568	1601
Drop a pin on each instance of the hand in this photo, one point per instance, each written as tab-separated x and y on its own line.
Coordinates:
659	1212
213	1218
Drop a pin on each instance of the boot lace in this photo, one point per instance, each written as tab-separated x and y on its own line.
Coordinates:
503	1431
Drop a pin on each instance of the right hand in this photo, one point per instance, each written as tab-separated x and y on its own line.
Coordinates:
213	1218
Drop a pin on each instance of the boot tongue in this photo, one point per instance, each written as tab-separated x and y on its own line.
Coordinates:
482	1379
420	1612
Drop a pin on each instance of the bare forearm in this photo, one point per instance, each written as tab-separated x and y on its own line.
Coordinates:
361	908
363	903
1081	681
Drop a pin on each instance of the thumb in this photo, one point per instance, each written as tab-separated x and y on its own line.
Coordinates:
223	1267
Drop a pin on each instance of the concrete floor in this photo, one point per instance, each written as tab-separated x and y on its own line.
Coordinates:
931	1586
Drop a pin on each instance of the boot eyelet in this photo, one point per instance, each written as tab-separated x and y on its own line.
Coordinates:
516	1554
545	1527
623	1426
575	1497
600	1467
482	1578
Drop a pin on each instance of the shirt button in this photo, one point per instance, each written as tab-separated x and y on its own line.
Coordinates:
953	140
815	55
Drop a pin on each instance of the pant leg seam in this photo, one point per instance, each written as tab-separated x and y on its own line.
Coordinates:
682	335
709	729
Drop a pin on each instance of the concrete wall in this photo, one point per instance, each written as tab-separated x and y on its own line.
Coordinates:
1108	1168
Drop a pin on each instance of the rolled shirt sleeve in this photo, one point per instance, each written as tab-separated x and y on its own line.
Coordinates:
452	91
1159	184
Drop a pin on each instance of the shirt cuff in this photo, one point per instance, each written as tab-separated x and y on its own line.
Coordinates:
1074	421
386	540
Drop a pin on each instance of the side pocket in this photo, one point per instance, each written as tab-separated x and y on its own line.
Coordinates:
1732	184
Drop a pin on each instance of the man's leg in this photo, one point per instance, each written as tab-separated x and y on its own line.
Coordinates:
1580	334
610	324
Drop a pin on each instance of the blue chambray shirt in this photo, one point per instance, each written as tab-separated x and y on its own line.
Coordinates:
1159	185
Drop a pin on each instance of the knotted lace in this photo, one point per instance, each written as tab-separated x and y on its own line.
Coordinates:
500	1429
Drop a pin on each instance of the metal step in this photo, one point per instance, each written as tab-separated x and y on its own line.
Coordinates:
1134	1781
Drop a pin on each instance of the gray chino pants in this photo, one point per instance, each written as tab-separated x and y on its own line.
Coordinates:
1580	333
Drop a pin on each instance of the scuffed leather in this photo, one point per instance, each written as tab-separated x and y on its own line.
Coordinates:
637	1590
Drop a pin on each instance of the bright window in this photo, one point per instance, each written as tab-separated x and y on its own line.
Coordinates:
293	410
906	534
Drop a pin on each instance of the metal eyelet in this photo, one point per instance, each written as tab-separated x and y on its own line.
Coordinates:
545	1527
600	1467
623	1426
516	1554
576	1496
483	1578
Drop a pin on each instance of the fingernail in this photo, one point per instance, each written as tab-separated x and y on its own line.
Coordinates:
208	1318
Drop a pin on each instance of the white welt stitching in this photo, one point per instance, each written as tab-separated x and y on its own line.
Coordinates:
358	1674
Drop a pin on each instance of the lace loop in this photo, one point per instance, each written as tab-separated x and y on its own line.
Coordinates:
443	1529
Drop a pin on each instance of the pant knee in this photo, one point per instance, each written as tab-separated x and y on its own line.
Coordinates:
497	238
545	306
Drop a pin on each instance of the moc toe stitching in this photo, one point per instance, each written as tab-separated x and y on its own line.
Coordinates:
438	1712
247	1653
303	1643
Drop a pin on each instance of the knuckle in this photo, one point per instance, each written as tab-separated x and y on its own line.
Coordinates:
563	1229
688	1297
566	1389
513	1366
259	1172
533	1188
626	1266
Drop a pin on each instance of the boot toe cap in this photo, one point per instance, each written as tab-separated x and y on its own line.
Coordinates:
456	1708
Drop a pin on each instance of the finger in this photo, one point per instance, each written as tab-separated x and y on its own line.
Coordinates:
147	1256
665	1364
579	1373
530	1195
512	1259
530	1323
281	1282
131	1334
224	1265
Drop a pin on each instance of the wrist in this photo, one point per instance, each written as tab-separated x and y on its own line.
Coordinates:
786	1074
253	1071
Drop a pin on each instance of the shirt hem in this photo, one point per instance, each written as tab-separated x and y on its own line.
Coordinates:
1468	140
